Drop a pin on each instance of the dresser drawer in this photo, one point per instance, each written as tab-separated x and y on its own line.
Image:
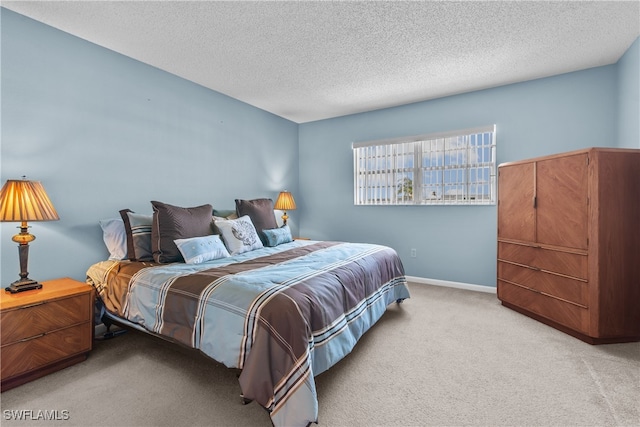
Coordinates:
30	354
31	320
570	264
564	313
562	287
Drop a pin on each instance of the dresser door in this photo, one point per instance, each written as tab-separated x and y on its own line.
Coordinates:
562	201
516	212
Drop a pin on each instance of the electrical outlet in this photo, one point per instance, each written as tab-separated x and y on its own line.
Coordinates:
413	252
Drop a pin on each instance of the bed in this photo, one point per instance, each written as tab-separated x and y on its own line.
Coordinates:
280	314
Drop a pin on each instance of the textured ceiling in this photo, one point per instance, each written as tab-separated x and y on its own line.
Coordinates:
312	60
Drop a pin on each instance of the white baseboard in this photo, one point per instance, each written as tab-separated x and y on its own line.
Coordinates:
448	284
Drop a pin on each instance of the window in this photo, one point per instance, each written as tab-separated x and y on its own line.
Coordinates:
451	168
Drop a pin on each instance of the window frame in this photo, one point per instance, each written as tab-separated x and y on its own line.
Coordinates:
385	170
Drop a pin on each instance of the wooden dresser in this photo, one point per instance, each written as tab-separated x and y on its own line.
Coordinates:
569	242
44	330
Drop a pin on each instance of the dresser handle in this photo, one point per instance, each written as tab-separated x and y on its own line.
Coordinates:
32	305
33	337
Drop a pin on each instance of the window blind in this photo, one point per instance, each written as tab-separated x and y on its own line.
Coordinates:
452	168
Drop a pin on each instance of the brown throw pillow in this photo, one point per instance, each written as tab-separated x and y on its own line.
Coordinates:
174	222
261	213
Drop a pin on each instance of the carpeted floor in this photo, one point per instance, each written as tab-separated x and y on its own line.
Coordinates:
444	357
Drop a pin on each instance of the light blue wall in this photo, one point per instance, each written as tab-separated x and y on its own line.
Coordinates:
629	97
104	132
452	243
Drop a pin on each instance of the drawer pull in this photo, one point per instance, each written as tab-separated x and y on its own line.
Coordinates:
32	305
33	337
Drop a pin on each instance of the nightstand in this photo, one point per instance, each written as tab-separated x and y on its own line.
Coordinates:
44	330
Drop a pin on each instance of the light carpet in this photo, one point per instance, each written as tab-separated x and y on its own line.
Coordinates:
445	357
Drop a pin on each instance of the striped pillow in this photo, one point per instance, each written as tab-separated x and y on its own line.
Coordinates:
138	229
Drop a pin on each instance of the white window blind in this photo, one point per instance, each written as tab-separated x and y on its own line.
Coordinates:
450	168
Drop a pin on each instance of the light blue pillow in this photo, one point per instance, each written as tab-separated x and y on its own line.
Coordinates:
197	250
277	236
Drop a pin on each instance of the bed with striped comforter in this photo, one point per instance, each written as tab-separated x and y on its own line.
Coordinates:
281	315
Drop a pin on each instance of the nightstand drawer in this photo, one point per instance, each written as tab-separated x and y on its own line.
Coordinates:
38	318
32	353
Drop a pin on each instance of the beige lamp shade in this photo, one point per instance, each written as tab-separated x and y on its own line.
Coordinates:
22	200
285	202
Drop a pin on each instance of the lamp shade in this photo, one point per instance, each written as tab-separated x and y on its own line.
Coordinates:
285	202
22	200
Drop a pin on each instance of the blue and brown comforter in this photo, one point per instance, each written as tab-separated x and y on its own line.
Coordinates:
281	315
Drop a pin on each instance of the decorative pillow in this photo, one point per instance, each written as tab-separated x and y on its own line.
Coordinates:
197	250
115	237
277	236
260	211
138	229
239	235
173	222
222	215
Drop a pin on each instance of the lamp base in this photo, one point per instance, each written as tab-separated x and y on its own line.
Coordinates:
23	285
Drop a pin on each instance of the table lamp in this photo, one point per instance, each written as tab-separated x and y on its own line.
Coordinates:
22	201
285	203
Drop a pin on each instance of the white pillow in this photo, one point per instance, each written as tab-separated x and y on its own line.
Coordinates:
115	237
197	250
239	235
